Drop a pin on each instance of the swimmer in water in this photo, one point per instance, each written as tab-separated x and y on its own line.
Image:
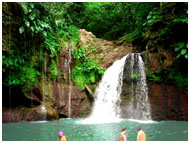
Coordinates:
61	136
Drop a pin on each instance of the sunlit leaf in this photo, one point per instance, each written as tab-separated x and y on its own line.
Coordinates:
186	56
183	51
179	55
32	16
21	30
45	33
32	28
27	23
31	5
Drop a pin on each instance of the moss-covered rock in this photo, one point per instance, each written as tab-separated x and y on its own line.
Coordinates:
103	52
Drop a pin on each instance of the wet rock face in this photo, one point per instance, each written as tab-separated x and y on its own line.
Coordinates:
28	114
53	95
127	90
134	95
168	102
55	102
35	95
86	36
61	97
9	115
153	61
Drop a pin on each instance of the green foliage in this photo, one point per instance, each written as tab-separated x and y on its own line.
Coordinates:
21	30
29	76
182	49
32	18
18	72
173	75
182	18
73	34
79	54
38	28
129	37
35	23
165	24
51	44
134	75
168	75
114	19
153	77
153	17
85	71
51	29
54	71
166	28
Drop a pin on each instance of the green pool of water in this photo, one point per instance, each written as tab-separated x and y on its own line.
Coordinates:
75	131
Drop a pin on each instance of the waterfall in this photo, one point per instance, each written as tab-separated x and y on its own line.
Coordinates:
43	107
45	69
138	106
107	94
70	83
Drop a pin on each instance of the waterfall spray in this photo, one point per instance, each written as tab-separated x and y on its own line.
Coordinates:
135	90
107	95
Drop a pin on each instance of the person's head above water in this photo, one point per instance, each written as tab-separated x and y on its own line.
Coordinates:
139	128
60	133
124	129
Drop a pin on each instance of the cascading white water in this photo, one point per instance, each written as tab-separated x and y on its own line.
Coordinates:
138	107
142	94
107	95
70	83
45	69
43	108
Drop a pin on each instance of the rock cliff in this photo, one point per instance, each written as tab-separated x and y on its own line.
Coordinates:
168	102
